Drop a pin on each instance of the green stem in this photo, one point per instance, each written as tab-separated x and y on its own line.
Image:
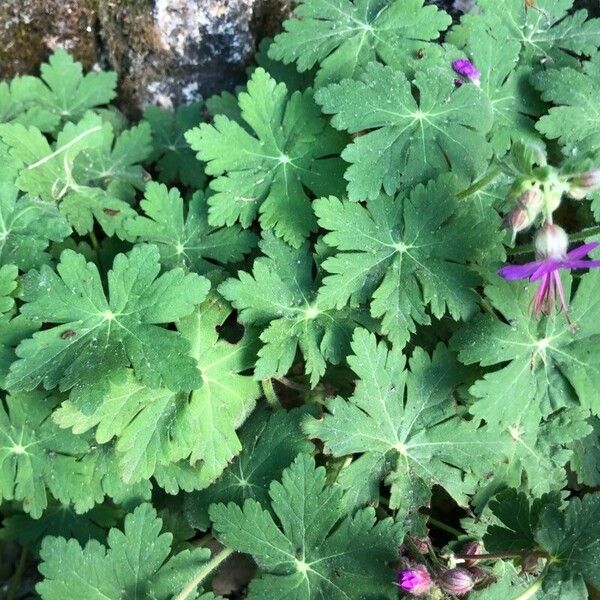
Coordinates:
293	385
270	394
200	542
447	528
203	572
479	184
535	587
16	578
573	237
94	240
414	550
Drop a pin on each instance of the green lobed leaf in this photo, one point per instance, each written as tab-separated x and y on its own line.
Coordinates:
63	93
28	227
69	93
585	461
59	520
156	428
172	156
8	285
89	172
269	444
569	536
342	36
92	334
138	564
36	457
547	31
574	120
186	240
410	131
281	298
515	104
268	169
312	549
406	254
545	365
403	428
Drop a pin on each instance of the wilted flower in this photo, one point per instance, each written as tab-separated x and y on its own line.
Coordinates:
583	184
464	67
415	581
457	581
551	244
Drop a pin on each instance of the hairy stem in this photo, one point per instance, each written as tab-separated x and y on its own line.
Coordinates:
535	587
203	572
293	385
270	394
15	582
447	528
479	184
414	551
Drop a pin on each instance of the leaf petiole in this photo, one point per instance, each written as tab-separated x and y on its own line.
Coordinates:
479	184
203	572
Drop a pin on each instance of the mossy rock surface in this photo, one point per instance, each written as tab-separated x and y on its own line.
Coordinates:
166	51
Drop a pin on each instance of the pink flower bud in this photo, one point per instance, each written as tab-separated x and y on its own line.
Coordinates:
456	581
415	581
472	548
527	209
551	241
585	183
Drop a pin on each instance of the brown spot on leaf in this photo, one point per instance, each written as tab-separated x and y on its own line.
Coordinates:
110	212
69	333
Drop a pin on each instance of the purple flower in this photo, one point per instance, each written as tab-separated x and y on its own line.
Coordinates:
551	244
415	581
464	67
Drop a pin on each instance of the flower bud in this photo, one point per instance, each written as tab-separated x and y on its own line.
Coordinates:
472	548
456	581
551	241
422	544
415	581
584	183
527	209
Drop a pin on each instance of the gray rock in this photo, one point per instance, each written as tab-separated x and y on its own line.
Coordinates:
166	51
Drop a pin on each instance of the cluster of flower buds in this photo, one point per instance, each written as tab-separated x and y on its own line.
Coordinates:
584	183
458	581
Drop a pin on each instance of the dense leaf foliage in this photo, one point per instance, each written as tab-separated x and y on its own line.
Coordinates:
277	323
